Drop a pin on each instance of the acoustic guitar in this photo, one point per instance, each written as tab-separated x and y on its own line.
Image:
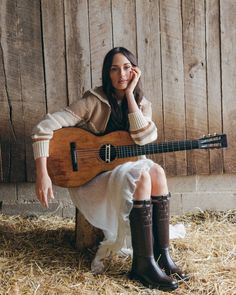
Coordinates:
76	155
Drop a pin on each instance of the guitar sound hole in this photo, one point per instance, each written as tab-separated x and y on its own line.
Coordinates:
107	153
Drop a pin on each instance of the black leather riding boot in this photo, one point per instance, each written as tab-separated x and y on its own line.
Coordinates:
144	267
161	219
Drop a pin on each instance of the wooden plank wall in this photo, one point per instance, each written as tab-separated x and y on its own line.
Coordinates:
52	51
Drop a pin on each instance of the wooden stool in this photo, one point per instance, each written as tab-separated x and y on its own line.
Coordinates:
86	235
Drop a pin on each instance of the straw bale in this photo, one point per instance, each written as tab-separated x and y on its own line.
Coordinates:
37	256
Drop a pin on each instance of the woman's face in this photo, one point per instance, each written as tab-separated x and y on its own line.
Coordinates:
120	72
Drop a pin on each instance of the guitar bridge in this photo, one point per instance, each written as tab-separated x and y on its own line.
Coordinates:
73	153
108	153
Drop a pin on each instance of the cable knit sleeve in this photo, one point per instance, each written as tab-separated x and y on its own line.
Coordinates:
142	129
43	131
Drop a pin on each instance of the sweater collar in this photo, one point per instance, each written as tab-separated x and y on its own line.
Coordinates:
99	93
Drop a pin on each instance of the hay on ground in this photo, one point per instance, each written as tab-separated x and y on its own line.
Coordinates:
37	256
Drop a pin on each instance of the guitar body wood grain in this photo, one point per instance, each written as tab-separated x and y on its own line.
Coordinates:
89	163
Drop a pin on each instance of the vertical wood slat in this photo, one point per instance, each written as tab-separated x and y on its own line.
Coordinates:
228	57
148	51
1	165
13	156
123	23
32	73
214	80
54	53
195	81
173	82
100	33
6	128
77	48
5	170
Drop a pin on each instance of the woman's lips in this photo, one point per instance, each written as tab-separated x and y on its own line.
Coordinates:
122	81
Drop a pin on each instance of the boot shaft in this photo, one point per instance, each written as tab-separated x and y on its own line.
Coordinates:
141	228
161	220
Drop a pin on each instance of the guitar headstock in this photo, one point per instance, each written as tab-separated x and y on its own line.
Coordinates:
215	141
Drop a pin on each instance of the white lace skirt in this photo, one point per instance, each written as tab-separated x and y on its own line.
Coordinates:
106	202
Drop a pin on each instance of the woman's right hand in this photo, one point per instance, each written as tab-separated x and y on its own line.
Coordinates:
44	189
135	74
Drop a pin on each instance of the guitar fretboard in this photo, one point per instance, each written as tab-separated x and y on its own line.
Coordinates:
153	148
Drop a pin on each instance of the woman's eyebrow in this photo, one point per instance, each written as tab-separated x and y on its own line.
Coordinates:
128	63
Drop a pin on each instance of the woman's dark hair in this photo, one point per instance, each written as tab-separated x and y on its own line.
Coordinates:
119	116
106	80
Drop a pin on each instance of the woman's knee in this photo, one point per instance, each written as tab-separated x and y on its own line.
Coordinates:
143	186
159	181
157	172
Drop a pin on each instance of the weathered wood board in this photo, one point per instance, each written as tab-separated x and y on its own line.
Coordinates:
52	51
228	60
194	56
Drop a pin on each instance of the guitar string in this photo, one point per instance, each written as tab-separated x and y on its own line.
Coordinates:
172	144
170	147
155	147
150	148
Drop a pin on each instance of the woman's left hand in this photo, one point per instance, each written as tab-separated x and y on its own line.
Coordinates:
136	74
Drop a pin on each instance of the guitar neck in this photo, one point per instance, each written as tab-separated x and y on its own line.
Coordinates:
154	148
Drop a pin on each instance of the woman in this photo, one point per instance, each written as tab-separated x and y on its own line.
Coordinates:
133	197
